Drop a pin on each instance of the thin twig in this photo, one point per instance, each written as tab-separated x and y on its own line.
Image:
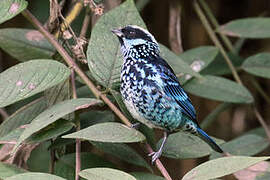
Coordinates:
52	163
78	127
3	113
86	22
175	27
214	38
262	121
87	81
215	23
260	90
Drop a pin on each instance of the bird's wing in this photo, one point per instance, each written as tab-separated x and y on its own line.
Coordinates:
173	89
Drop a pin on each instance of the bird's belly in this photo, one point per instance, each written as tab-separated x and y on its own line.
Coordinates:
152	109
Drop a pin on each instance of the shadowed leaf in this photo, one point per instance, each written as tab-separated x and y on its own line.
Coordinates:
108	132
25	44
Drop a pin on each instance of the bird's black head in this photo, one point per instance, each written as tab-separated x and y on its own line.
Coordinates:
132	35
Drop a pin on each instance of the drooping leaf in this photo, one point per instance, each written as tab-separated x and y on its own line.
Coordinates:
123	152
258	65
146	176
10	8
182	145
247	28
108	132
222	167
218	88
246	145
7	170
104	59
26	79
22	116
105	174
65	166
25	44
40	154
199	57
54	113
34	176
53	130
219	66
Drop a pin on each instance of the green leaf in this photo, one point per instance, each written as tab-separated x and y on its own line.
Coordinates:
93	117
108	132
10	8
53	130
54	113
123	152
25	44
247	28
202	56
178	65
65	166
105	59
246	145
218	88
26	79
34	176
22	116
258	65
181	145
146	176
105	174
7	170
220	67
40	154
222	167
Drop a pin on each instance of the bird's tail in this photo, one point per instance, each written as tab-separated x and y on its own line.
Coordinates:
209	140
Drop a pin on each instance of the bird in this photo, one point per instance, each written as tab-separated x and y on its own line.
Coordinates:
150	89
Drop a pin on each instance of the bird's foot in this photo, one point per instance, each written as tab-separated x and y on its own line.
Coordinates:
135	125
155	155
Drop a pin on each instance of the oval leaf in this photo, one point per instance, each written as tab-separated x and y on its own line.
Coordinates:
123	152
247	28
34	176
103	52
26	79
217	88
54	113
222	167
246	145
258	65
183	146
10	8
25	44
201	57
105	174
108	132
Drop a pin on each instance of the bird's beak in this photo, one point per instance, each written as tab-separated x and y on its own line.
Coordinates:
118	32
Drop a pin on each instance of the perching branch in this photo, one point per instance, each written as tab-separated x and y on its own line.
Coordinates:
71	63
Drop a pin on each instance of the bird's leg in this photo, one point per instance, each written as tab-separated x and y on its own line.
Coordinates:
135	125
156	155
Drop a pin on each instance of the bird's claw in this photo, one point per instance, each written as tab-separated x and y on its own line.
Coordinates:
155	155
